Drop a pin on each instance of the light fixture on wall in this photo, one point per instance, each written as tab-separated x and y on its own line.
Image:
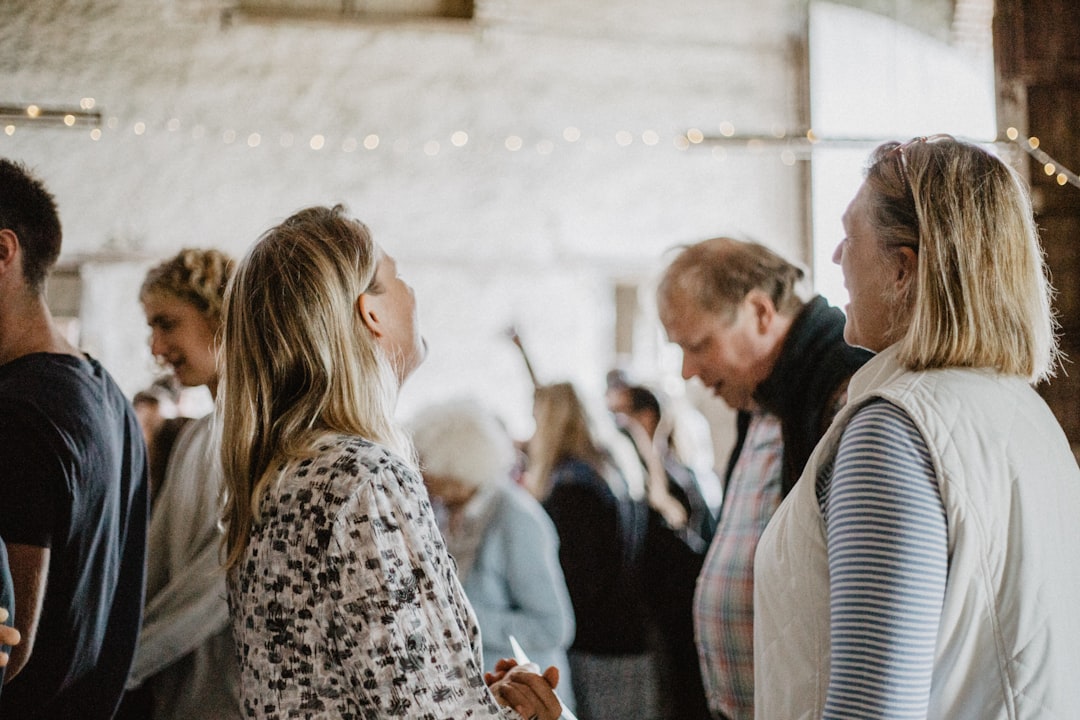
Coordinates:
59	116
364	11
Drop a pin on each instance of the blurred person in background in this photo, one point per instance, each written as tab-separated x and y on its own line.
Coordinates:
158	416
505	545
674	549
185	665
599	509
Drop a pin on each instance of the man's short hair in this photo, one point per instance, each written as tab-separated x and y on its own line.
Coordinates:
29	210
718	273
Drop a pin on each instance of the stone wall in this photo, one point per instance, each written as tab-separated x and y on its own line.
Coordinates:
574	171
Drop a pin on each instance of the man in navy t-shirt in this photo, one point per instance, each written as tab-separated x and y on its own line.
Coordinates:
73	487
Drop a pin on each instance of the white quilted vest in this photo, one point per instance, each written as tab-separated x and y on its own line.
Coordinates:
1009	641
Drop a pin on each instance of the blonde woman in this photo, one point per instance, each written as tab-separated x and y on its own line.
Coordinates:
185	664
924	566
344	601
602	522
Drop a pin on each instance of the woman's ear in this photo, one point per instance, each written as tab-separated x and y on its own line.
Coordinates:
907	264
367	307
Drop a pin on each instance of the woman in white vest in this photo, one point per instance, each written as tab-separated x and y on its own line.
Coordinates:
925	564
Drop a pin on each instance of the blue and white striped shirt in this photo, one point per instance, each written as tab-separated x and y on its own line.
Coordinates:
888	561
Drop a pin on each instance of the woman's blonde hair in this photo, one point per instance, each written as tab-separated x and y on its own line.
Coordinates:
196	276
297	360
980	296
562	432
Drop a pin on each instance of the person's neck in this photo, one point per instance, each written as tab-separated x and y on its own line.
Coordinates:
27	326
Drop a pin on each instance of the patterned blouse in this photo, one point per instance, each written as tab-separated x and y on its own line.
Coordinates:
346	604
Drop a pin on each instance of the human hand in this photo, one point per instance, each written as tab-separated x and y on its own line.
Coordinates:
502	667
8	635
524	689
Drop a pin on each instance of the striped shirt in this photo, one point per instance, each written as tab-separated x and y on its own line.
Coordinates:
724	601
888	561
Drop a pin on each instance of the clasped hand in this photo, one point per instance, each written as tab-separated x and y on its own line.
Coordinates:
524	689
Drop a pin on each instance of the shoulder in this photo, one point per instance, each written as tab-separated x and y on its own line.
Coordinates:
347	470
575	472
519	508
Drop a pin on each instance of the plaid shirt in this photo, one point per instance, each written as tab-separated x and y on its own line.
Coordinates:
724	601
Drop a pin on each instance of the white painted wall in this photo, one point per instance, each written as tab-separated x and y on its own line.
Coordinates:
487	233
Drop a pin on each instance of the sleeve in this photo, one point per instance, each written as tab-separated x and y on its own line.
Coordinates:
31	478
183	615
888	563
402	630
539	614
191	607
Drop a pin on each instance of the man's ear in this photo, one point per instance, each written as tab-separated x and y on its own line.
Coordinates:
368	308
761	305
9	249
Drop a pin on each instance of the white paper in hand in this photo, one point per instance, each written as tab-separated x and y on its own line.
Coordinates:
524	661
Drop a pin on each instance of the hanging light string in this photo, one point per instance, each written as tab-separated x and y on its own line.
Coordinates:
1050	166
791	146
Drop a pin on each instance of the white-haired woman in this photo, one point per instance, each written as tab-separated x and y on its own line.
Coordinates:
344	601
505	545
924	566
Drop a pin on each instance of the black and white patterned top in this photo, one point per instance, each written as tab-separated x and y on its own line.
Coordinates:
346	604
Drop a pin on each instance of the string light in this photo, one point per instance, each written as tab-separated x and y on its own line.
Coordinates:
791	146
460	138
1052	168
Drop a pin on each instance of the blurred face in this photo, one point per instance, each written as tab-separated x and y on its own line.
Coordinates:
729	356
394	306
182	338
447	488
867	277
